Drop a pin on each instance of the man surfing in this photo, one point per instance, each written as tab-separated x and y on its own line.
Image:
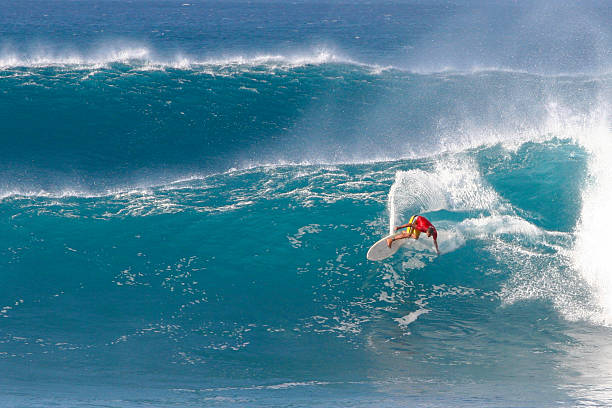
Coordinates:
415	226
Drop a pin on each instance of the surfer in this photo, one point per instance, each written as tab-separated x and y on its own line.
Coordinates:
415	226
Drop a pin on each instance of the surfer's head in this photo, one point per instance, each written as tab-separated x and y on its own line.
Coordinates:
432	231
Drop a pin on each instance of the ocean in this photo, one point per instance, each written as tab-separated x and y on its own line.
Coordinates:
188	190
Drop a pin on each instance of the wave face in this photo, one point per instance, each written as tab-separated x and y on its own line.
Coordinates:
186	207
96	128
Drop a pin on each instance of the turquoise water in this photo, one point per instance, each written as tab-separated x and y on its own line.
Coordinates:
185	218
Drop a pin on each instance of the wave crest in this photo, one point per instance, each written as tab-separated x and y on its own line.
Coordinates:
141	57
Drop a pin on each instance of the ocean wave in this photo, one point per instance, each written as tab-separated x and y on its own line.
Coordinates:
143	58
307	186
224	117
454	184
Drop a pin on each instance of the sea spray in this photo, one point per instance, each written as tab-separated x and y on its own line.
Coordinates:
592	242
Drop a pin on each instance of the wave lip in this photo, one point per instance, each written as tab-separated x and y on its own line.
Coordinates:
43	59
141	57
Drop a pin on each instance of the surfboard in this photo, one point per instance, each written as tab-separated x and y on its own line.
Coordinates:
380	250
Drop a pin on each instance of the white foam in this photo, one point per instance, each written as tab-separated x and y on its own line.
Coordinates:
453	236
453	184
49	58
143	58
577	280
280	386
539	274
483	227
592	249
404	321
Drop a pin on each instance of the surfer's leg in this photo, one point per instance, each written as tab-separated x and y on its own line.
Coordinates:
396	237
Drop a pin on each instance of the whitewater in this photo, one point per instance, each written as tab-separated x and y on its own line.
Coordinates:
188	192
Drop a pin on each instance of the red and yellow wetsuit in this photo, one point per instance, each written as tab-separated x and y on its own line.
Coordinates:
421	224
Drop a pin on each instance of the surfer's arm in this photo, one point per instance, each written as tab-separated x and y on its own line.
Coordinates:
436	244
404	226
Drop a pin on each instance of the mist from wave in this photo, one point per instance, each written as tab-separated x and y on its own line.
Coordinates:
530	37
121	124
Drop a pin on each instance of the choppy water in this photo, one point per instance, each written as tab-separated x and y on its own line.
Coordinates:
188	192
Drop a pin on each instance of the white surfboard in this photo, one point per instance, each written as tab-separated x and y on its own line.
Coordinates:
380	250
